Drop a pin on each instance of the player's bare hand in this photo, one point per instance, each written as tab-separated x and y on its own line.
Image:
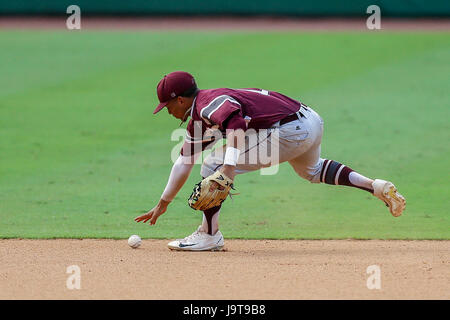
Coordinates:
153	214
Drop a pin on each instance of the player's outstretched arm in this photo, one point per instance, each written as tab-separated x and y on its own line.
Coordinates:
178	176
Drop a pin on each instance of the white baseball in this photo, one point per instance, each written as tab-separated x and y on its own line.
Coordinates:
134	241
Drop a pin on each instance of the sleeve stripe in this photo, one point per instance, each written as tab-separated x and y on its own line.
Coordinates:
189	139
199	141
207	111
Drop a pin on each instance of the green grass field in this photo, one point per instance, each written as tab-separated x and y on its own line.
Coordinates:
81	153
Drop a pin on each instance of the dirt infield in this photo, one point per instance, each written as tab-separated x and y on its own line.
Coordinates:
225	23
247	269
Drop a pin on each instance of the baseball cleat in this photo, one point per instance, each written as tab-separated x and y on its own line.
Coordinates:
387	192
198	241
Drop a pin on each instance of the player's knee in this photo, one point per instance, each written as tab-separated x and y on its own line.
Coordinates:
311	173
311	177
315	171
208	168
315	178
210	165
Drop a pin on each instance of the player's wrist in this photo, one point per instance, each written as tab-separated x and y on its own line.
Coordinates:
163	203
229	171
231	156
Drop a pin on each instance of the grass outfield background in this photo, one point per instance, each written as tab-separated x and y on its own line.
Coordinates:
81	153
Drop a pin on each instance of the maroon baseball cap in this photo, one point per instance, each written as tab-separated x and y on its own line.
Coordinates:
173	85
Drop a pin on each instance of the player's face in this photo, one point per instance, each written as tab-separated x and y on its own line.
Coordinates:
174	109
177	108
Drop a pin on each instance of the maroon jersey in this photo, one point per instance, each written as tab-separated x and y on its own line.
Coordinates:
213	107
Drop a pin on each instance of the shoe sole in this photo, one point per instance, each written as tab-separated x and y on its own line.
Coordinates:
218	248
391	195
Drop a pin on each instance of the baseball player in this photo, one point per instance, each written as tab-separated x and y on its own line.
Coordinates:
255	123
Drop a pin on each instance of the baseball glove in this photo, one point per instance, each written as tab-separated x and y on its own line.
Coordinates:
202	198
